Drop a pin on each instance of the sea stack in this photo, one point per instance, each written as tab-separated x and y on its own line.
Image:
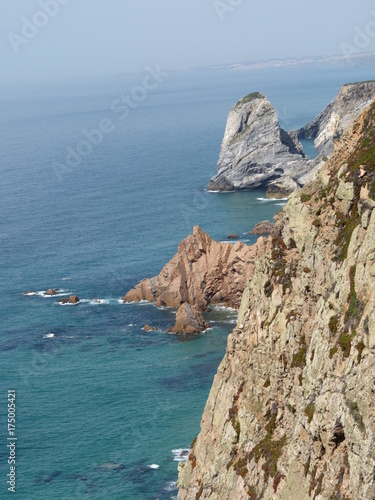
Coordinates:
256	150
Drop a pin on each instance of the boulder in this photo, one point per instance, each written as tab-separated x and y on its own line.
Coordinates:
51	292
148	328
233	236
264	227
189	320
73	299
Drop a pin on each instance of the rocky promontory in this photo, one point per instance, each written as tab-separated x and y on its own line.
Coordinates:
202	272
291	412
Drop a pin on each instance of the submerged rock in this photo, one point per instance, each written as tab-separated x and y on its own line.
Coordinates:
189	320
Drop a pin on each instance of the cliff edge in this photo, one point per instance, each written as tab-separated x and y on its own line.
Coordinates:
338	116
291	413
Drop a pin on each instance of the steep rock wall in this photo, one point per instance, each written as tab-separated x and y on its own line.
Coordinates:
291	411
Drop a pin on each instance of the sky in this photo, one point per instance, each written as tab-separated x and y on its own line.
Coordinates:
44	39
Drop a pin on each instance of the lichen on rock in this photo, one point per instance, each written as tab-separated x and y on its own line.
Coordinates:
291	413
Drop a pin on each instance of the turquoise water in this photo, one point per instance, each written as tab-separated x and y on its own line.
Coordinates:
102	400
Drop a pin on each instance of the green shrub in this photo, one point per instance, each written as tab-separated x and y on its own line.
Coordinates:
309	412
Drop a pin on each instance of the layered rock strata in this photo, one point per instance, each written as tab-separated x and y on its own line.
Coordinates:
202	272
291	413
338	116
257	153
255	150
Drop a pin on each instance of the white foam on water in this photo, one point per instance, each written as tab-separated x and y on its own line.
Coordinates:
65	279
180	455
95	302
60	293
135	302
30	294
171	486
153	466
280	204
271	199
49	336
224	308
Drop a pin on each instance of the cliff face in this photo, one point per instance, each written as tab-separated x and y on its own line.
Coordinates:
338	116
202	272
255	150
291	411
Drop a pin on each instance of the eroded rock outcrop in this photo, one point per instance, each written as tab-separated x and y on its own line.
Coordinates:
189	320
291	413
338	116
255	150
264	227
202	272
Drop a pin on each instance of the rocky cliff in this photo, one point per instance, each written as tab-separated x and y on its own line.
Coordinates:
202	272
291	411
338	116
255	150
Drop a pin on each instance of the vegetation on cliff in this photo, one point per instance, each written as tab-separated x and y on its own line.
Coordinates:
291	413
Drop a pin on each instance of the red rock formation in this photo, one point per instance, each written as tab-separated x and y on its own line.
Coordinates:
189	320
202	272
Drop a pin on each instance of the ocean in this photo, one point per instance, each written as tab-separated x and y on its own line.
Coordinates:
105	410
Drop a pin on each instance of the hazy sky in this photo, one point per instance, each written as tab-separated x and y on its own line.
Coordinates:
89	37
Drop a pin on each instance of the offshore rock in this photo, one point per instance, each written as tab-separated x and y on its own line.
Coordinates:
202	272
255	151
73	299
189	320
291	412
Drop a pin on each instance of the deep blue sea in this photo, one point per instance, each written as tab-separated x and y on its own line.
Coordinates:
100	401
